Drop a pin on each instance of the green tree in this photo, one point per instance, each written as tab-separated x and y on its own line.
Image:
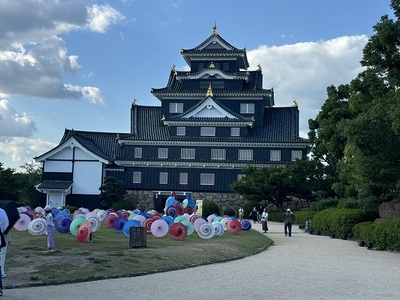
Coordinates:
8	184
28	195
112	190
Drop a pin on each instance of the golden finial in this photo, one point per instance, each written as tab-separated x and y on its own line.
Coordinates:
212	66
163	118
209	92
259	67
173	68
295	104
252	118
214	30
117	137
134	102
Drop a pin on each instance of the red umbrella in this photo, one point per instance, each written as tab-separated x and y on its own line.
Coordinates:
234	227
178	231
147	223
109	220
84	232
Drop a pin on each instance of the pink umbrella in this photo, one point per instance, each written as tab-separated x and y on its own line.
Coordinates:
23	222
159	228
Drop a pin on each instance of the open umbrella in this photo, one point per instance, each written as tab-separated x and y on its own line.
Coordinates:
63	223
168	219
94	221
109	220
84	232
37	226
171	211
73	228
218	228
119	223
23	222
198	222
246	225
101	214
12	213
189	226
126	230
159	228
225	222
234	227
147	223
206	231
178	231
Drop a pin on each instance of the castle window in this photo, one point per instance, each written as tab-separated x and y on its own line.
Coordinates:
183	178
138	152
188	153
225	66
207	131
162	152
275	155
200	66
163	177
180	130
297	154
245	154
175	108
235	131
247	108
218	153
207	179
137	177
215	85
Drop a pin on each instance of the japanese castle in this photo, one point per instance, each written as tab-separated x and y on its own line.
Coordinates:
212	122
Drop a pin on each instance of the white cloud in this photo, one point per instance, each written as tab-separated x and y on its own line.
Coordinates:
22	149
13	123
303	71
100	17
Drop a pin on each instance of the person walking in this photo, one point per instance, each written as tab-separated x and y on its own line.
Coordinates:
4	222
264	220
50	228
288	219
241	213
254	214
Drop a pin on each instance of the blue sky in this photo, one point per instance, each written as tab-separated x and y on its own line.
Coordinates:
79	64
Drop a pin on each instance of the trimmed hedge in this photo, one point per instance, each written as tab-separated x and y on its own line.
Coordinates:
301	216
338	221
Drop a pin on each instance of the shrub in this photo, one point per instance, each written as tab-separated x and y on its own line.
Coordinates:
210	208
327	203
229	212
386	235
349	203
248	208
123	204
364	231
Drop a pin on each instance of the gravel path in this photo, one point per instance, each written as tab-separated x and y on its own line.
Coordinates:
299	267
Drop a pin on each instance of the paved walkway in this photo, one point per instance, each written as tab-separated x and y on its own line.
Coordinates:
299	267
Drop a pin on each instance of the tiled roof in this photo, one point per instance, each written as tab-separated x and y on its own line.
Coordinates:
54	185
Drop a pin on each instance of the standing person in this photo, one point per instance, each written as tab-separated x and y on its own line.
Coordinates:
254	214
50	228
260	210
4	222
241	213
288	218
264	220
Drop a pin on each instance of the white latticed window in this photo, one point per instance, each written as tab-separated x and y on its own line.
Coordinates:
218	153
183	178
245	154
163	177
176	108
180	130
275	155
188	153
207	179
162	152
207	131
138	152
247	108
296	154
235	131
137	177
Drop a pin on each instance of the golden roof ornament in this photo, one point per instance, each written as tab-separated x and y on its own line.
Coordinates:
212	66
214	30
259	67
134	102
173	68
295	104
163	118
209	92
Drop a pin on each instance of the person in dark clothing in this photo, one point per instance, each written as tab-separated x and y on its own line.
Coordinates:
288	219
260	210
254	214
264	220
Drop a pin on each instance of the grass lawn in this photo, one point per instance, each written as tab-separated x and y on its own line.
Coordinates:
109	255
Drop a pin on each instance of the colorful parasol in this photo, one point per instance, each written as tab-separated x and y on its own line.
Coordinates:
73	228
159	228
119	223
109	220
188	210
218	228
63	223
125	214
225	222
178	231
84	232
179	218
168	219
211	218
189	226
32	213
91	214
155	216
198	222
206	231
128	225
194	217
101	214
179	208
147	223
77	212
246	225
94	221
139	218
171	211
234	227
62	213
23	222
40	211
30	216
37	226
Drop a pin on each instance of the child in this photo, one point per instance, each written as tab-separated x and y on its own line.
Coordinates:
50	228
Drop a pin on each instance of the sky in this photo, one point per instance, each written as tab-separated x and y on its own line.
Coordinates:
79	64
